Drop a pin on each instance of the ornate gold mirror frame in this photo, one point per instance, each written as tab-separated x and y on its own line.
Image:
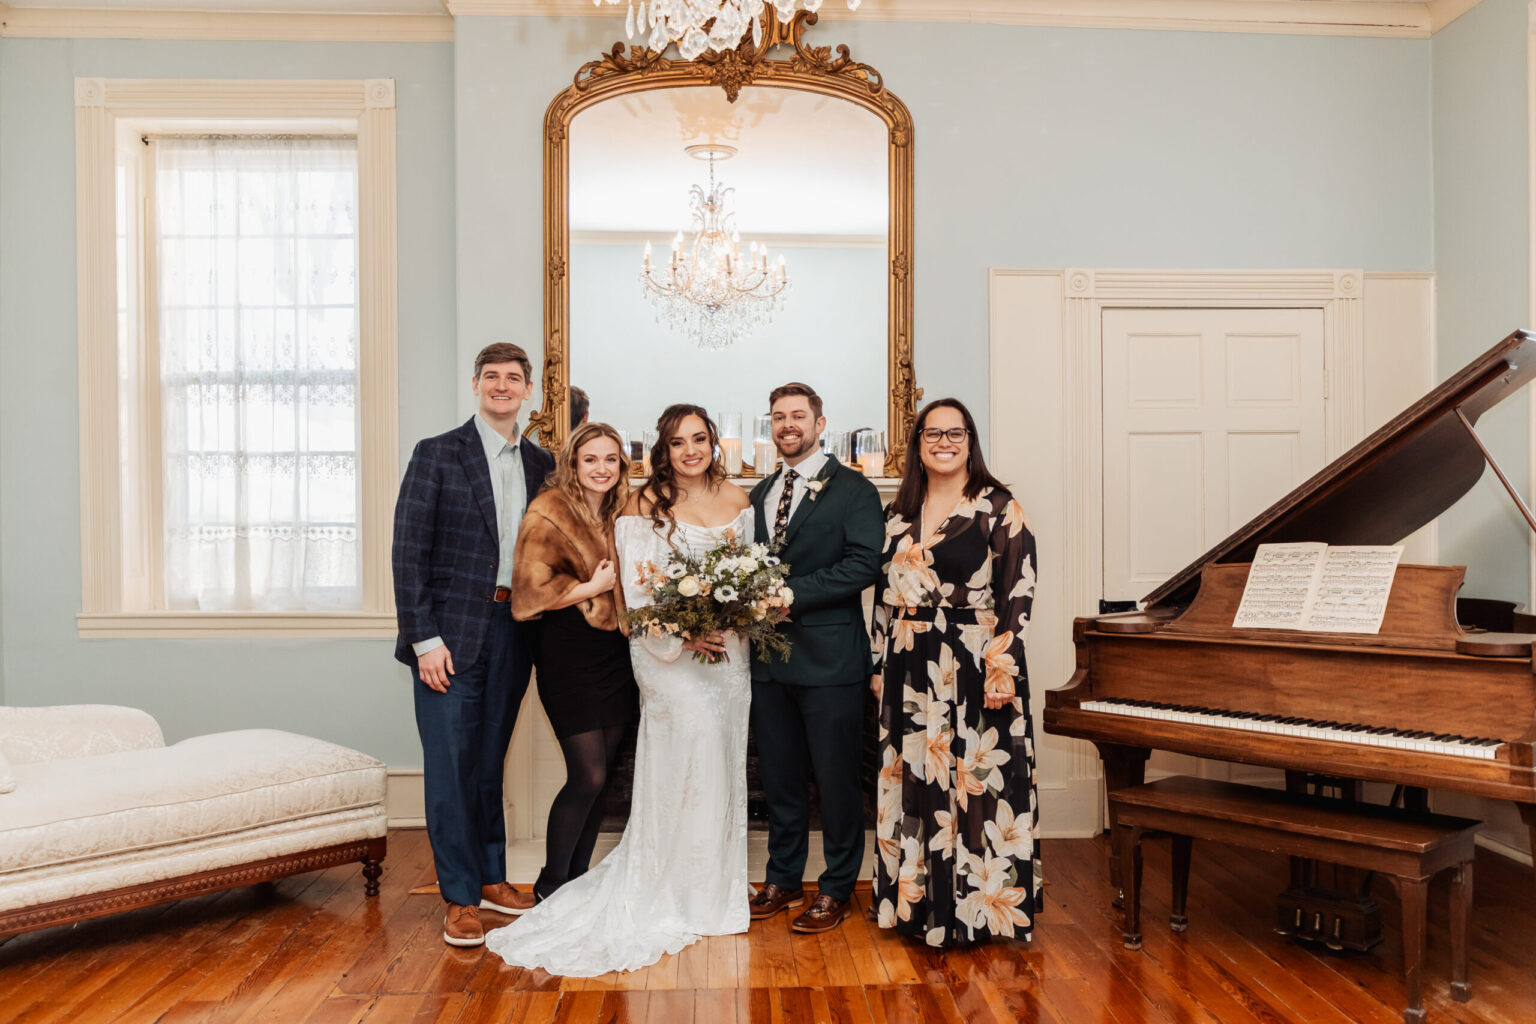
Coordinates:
813	69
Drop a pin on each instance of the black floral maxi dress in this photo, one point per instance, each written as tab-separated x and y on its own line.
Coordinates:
956	831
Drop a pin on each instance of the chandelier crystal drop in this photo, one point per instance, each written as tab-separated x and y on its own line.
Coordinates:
699	25
709	292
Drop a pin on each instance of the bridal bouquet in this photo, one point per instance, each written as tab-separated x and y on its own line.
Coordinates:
733	587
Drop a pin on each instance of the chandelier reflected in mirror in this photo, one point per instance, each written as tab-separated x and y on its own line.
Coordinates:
699	25
708	291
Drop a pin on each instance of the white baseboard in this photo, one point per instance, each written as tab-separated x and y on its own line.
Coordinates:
405	799
1504	850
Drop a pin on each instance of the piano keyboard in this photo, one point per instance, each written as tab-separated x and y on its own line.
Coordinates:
1305	728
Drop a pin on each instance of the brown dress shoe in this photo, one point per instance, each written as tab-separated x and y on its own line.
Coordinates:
504	899
771	899
824	914
461	927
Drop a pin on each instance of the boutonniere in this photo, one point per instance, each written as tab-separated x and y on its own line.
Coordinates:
814	488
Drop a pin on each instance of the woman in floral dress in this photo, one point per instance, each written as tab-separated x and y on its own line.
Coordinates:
956	831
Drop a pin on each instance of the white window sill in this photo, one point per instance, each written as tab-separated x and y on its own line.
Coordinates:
196	625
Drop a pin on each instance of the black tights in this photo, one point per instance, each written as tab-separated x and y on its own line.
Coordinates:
577	812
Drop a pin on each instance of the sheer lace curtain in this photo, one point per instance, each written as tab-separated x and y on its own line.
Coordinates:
258	336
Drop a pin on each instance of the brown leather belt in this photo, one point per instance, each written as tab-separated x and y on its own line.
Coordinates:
502	595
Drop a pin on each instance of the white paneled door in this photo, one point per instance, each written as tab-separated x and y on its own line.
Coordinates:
1210	416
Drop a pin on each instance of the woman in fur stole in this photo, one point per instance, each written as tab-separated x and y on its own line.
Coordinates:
563	576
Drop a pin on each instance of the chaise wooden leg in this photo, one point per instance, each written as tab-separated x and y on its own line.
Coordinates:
372	869
1129	844
1461	913
373	861
1412	893
1179	919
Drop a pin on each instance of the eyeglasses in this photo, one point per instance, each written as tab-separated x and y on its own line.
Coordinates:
955	435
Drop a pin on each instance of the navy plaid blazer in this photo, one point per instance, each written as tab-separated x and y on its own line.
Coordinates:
446	543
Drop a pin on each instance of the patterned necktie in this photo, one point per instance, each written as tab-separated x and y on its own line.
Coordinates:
781	517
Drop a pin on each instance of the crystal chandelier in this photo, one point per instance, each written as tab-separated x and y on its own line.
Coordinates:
709	292
699	25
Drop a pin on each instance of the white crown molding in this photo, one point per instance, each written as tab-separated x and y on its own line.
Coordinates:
1402	18
55	23
1391	18
1443	12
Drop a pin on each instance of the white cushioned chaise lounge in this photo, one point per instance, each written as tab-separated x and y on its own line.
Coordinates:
98	815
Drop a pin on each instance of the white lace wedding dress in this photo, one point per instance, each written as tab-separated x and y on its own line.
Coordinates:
680	870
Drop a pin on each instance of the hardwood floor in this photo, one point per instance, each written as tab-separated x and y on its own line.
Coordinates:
312	948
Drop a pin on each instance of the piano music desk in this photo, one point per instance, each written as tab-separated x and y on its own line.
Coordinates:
1408	847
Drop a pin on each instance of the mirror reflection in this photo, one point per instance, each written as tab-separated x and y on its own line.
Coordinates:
766	222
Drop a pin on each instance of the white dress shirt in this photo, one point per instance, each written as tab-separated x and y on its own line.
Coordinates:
807	470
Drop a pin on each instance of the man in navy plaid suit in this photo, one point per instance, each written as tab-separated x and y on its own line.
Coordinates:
455	527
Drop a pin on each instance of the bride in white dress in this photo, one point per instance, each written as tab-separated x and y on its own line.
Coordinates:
680	870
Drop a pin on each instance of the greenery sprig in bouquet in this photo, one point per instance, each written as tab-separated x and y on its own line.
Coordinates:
733	587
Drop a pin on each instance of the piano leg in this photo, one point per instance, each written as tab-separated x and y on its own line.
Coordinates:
1128	840
1527	815
1123	766
1178	920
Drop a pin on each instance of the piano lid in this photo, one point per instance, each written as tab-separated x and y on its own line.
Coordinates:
1390	484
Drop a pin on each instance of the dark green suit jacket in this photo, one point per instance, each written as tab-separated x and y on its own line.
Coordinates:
832	545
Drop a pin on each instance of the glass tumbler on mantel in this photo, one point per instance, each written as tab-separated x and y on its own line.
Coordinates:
869	449
764	454
730	442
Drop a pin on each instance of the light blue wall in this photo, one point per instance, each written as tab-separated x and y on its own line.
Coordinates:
1482	231
1034	147
350	691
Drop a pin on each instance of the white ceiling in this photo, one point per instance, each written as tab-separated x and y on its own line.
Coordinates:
807	164
247	6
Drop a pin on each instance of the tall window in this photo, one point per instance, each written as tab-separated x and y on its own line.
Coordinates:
255	261
236	259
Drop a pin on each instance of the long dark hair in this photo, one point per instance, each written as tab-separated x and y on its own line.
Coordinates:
661	489
914	478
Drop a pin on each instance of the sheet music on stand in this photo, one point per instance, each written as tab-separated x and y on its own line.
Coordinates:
1318	588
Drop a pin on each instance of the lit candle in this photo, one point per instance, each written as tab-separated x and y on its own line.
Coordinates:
872	463
763	457
730	454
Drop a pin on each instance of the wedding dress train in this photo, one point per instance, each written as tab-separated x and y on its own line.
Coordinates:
680	870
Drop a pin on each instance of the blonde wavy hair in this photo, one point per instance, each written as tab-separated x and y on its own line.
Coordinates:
564	481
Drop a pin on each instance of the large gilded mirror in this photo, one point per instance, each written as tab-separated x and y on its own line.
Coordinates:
795	149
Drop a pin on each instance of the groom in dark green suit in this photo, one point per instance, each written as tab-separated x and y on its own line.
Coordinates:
809	711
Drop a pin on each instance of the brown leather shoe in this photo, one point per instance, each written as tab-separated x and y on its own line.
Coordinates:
504	899
771	899
824	914
461	926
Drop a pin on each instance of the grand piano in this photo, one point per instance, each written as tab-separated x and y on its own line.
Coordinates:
1426	702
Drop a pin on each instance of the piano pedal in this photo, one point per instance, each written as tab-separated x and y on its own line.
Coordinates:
1337	920
1335	940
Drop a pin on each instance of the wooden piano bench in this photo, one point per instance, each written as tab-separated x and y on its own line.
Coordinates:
1408	847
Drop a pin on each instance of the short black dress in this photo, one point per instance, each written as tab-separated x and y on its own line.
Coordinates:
585	679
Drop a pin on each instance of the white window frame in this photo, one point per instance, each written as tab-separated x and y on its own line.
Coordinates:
103	109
